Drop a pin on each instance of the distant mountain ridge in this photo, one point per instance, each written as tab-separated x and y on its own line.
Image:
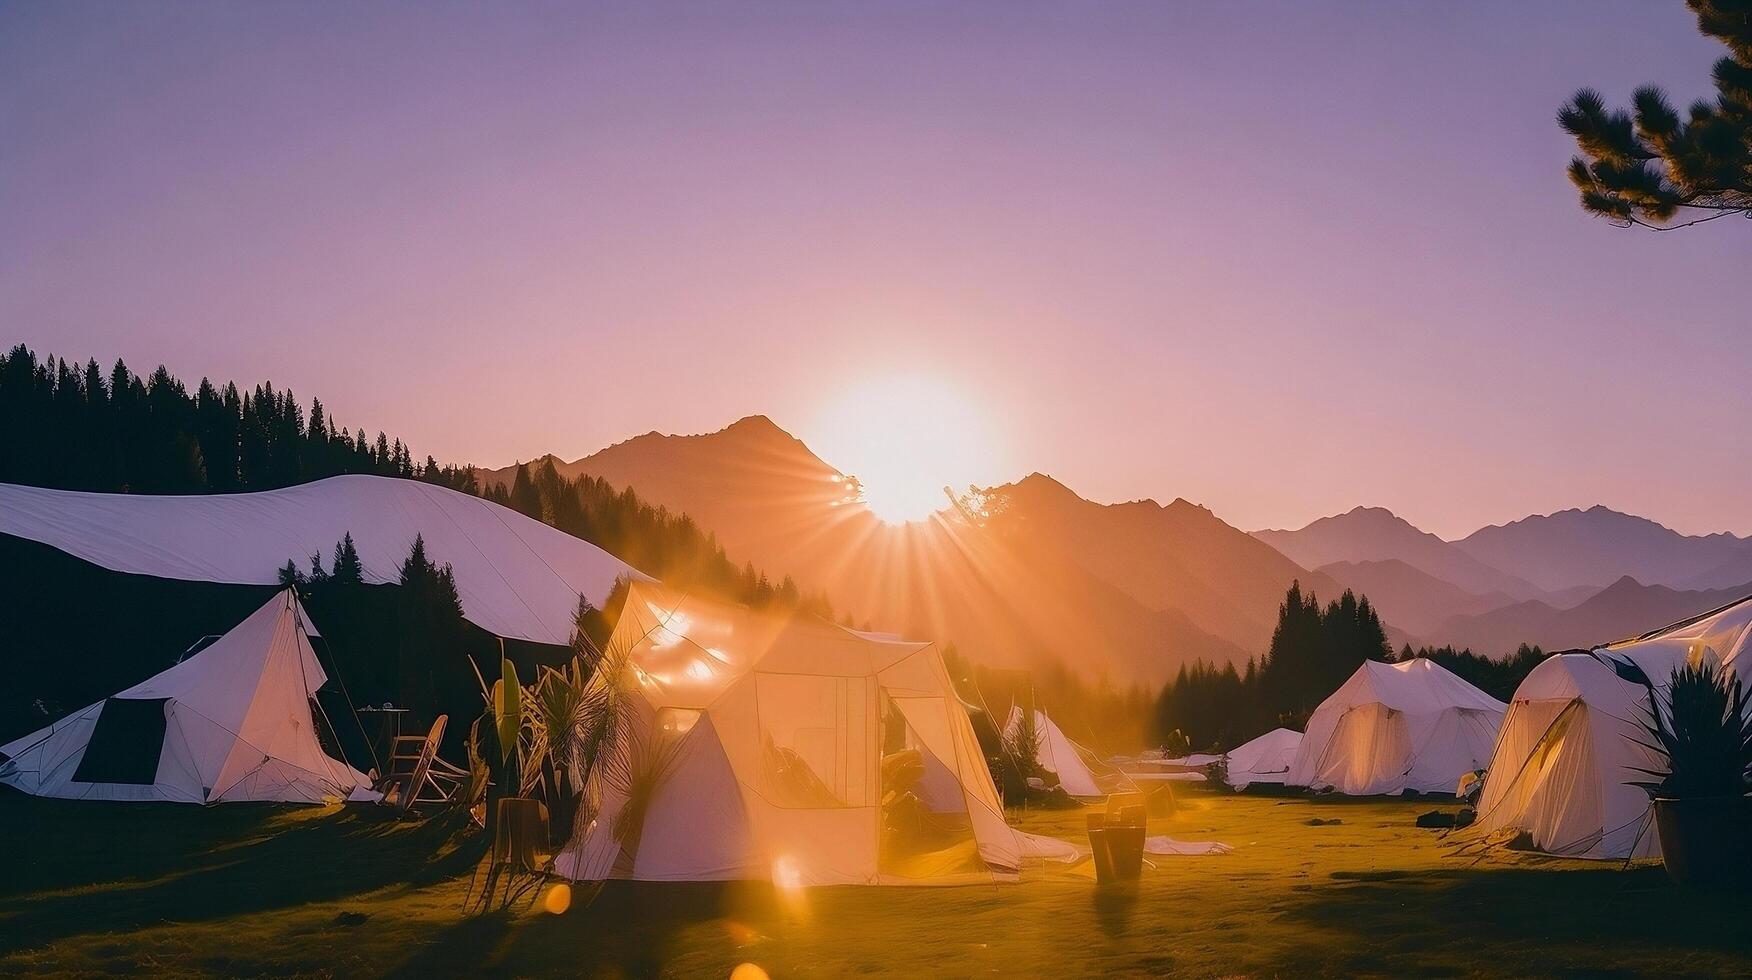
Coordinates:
1623	609
1599	545
1134	589
1369	534
1572	577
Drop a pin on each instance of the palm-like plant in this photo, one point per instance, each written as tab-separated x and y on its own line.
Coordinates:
1702	734
607	718
555	707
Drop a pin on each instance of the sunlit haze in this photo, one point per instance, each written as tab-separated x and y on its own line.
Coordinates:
1229	252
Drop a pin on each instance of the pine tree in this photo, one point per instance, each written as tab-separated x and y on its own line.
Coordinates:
1650	166
346	565
525	498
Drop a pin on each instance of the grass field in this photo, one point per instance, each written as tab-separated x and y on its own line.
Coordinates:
169	890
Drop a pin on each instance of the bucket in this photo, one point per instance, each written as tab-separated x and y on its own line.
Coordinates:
1118	845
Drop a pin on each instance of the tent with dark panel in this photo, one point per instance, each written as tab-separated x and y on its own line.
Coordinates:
231	723
1573	746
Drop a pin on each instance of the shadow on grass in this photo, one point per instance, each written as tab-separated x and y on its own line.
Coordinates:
1115	905
133	865
634	928
1551	921
460	949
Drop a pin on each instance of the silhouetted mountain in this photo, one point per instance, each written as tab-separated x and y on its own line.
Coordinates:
1624	608
1179	556
1135	590
1599	545
1411	598
1368	534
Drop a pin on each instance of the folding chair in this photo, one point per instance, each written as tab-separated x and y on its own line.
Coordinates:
415	775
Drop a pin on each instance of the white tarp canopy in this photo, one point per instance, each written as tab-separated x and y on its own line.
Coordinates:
1055	753
231	723
773	747
1265	759
1570	744
1397	727
517	577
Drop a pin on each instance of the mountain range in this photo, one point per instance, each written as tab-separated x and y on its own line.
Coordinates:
1031	571
1568	579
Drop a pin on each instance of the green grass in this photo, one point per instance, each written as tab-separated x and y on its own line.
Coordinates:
171	890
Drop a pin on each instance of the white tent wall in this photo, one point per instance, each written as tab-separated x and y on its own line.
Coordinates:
1055	753
1396	727
517	577
778	776
236	726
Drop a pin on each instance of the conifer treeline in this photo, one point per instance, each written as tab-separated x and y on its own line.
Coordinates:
1313	650
77	428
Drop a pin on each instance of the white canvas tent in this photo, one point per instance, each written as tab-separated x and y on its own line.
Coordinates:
1397	727
1055	753
1570	748
1265	759
775	748
231	723
516	576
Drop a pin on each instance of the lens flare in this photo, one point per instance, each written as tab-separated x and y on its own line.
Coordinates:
558	899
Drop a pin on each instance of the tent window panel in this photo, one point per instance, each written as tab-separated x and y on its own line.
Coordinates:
125	744
815	740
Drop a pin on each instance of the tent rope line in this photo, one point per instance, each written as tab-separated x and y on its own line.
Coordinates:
335	663
293	605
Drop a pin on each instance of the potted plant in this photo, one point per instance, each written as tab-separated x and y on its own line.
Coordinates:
1702	733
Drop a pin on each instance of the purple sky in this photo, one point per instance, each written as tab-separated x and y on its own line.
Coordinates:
1279	259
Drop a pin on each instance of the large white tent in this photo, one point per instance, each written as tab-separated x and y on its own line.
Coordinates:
1397	727
516	576
1055	753
1265	759
1571	744
231	723
772	747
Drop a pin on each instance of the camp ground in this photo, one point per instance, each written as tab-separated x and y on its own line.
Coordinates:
713	785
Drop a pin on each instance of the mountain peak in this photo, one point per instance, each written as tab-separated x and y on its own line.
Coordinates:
1038	482
757	426
1624	583
1366	511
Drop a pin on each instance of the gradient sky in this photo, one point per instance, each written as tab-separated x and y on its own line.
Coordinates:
1280	259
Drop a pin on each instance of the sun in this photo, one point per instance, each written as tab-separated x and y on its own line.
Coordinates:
905	437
